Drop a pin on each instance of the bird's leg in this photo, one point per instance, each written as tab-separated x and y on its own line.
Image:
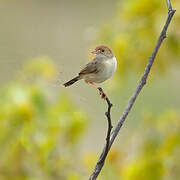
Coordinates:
101	92
91	83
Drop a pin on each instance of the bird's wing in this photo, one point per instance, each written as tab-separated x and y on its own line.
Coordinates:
91	67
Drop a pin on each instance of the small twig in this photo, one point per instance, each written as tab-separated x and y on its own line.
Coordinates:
108	115
108	136
131	102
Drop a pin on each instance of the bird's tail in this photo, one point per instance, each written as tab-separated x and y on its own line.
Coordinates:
72	81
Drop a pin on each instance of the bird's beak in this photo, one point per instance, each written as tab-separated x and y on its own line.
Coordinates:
94	52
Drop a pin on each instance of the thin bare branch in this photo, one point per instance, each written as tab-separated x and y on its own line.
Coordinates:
108	115
102	158
169	5
141	84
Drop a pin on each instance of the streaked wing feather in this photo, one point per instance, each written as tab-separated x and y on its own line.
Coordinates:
91	67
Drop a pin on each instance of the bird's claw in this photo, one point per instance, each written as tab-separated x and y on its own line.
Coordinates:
101	93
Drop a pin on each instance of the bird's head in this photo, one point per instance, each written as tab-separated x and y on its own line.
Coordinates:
103	51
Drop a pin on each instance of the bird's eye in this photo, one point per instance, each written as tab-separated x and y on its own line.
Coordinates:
102	50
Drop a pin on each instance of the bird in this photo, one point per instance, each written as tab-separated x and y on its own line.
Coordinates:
98	70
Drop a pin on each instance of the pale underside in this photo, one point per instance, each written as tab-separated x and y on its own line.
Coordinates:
98	71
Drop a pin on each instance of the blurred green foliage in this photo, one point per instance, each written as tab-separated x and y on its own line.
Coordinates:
38	133
40	129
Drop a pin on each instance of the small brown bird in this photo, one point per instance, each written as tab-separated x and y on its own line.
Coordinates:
101	68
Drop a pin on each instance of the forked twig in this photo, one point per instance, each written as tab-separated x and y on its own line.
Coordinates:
141	84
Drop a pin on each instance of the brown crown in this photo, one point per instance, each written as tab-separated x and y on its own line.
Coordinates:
105	48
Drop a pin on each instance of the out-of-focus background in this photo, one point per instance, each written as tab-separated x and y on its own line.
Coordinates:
49	132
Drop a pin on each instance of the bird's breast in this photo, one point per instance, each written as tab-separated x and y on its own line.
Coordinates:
111	65
107	69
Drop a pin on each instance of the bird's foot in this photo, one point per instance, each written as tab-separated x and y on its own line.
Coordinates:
101	93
